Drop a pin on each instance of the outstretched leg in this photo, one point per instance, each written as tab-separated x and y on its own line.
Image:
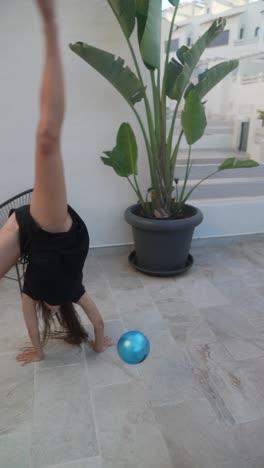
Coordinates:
49	199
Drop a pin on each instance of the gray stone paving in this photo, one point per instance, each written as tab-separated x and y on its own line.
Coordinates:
196	402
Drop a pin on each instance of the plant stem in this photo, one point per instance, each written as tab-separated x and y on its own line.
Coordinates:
169	143
133	187
187	173
158	81
138	193
177	192
173	162
144	205
161	129
196	185
174	155
155	92
164	82
147	105
167	56
160	144
165	148
148	147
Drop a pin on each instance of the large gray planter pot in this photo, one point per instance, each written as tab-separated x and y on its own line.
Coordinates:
162	246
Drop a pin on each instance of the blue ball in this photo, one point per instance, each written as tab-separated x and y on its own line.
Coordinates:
133	347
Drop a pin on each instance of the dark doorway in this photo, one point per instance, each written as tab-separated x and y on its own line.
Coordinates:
244	136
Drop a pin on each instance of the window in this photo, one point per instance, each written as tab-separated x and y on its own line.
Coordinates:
189	42
174	45
221	39
241	33
257	32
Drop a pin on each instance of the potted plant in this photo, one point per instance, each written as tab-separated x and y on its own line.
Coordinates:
162	221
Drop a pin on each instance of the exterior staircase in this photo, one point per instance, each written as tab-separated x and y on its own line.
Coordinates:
232	201
228	184
218	133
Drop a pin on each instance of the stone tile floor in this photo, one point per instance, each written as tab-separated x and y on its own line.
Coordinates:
196	402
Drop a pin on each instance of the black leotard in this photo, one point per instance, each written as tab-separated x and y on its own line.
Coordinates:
55	260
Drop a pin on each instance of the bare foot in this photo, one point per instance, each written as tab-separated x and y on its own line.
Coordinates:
46	8
107	343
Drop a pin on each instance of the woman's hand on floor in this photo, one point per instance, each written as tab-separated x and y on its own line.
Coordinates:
29	355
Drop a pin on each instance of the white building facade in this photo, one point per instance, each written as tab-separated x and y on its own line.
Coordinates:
241	94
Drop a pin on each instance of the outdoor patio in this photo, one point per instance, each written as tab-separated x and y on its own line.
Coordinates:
196	402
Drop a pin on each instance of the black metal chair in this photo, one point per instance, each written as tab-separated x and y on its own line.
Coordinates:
5	208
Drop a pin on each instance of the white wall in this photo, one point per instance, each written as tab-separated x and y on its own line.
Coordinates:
94	112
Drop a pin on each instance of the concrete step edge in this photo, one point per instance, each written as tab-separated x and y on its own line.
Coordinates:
225	181
227	201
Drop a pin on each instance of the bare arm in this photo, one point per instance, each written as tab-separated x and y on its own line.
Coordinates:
30	315
89	307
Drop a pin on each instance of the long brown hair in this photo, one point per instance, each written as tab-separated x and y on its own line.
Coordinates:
65	324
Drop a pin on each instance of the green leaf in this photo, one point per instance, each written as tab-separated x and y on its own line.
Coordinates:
233	163
125	12
240	164
181	52
189	89
149	31
192	56
227	164
210	78
173	71
123	157
193	118
141	14
174	2
116	161
113	69
126	143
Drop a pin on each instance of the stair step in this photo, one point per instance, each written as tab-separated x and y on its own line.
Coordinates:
198	172
210	122
210	141
224	217
201	162
211	156
225	191
210	130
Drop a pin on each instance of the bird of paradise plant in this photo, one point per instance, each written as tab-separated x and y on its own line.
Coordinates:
174	81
